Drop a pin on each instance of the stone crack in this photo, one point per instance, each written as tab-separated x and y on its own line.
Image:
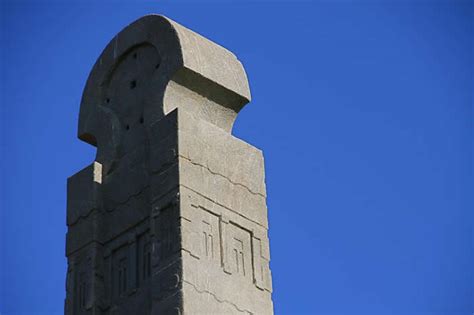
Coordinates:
223	176
118	204
217	299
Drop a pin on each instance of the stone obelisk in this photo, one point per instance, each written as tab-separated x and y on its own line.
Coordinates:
171	217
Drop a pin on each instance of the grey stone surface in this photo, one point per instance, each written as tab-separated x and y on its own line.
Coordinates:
171	217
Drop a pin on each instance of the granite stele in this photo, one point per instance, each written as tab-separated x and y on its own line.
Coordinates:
171	217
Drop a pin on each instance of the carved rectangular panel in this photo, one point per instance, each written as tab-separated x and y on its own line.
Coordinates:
144	253
201	234
83	282
262	276
82	290
70	288
210	236
166	229
238	251
120	272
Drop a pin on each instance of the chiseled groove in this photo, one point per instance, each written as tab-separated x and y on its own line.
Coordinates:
122	203
84	246
188	251
223	176
164	167
104	242
127	200
216	298
159	172
83	216
176	258
118	205
224	206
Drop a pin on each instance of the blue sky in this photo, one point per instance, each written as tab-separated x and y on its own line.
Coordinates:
364	111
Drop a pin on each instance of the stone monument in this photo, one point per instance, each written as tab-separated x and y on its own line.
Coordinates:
171	217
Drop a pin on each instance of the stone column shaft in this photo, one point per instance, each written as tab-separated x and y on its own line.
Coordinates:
171	217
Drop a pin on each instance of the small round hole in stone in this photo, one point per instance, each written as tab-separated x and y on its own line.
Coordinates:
135	56
133	84
142	120
127	127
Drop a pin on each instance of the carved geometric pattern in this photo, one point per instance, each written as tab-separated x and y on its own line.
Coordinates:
120	271
210	239
207	240
82	285
159	105
239	250
144	257
83	291
166	230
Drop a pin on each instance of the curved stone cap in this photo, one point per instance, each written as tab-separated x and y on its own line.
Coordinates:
151	67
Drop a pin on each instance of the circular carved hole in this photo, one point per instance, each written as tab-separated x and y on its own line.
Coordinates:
157	65
135	56
127	127
141	120
133	84
107	100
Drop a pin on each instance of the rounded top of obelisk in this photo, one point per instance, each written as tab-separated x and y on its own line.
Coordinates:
151	67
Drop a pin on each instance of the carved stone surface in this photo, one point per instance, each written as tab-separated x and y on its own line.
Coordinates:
171	217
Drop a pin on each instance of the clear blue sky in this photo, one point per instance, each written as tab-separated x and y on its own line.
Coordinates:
364	110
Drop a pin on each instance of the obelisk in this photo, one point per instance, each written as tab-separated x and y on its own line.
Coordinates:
171	217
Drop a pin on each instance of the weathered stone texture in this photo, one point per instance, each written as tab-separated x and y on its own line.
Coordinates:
171	217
